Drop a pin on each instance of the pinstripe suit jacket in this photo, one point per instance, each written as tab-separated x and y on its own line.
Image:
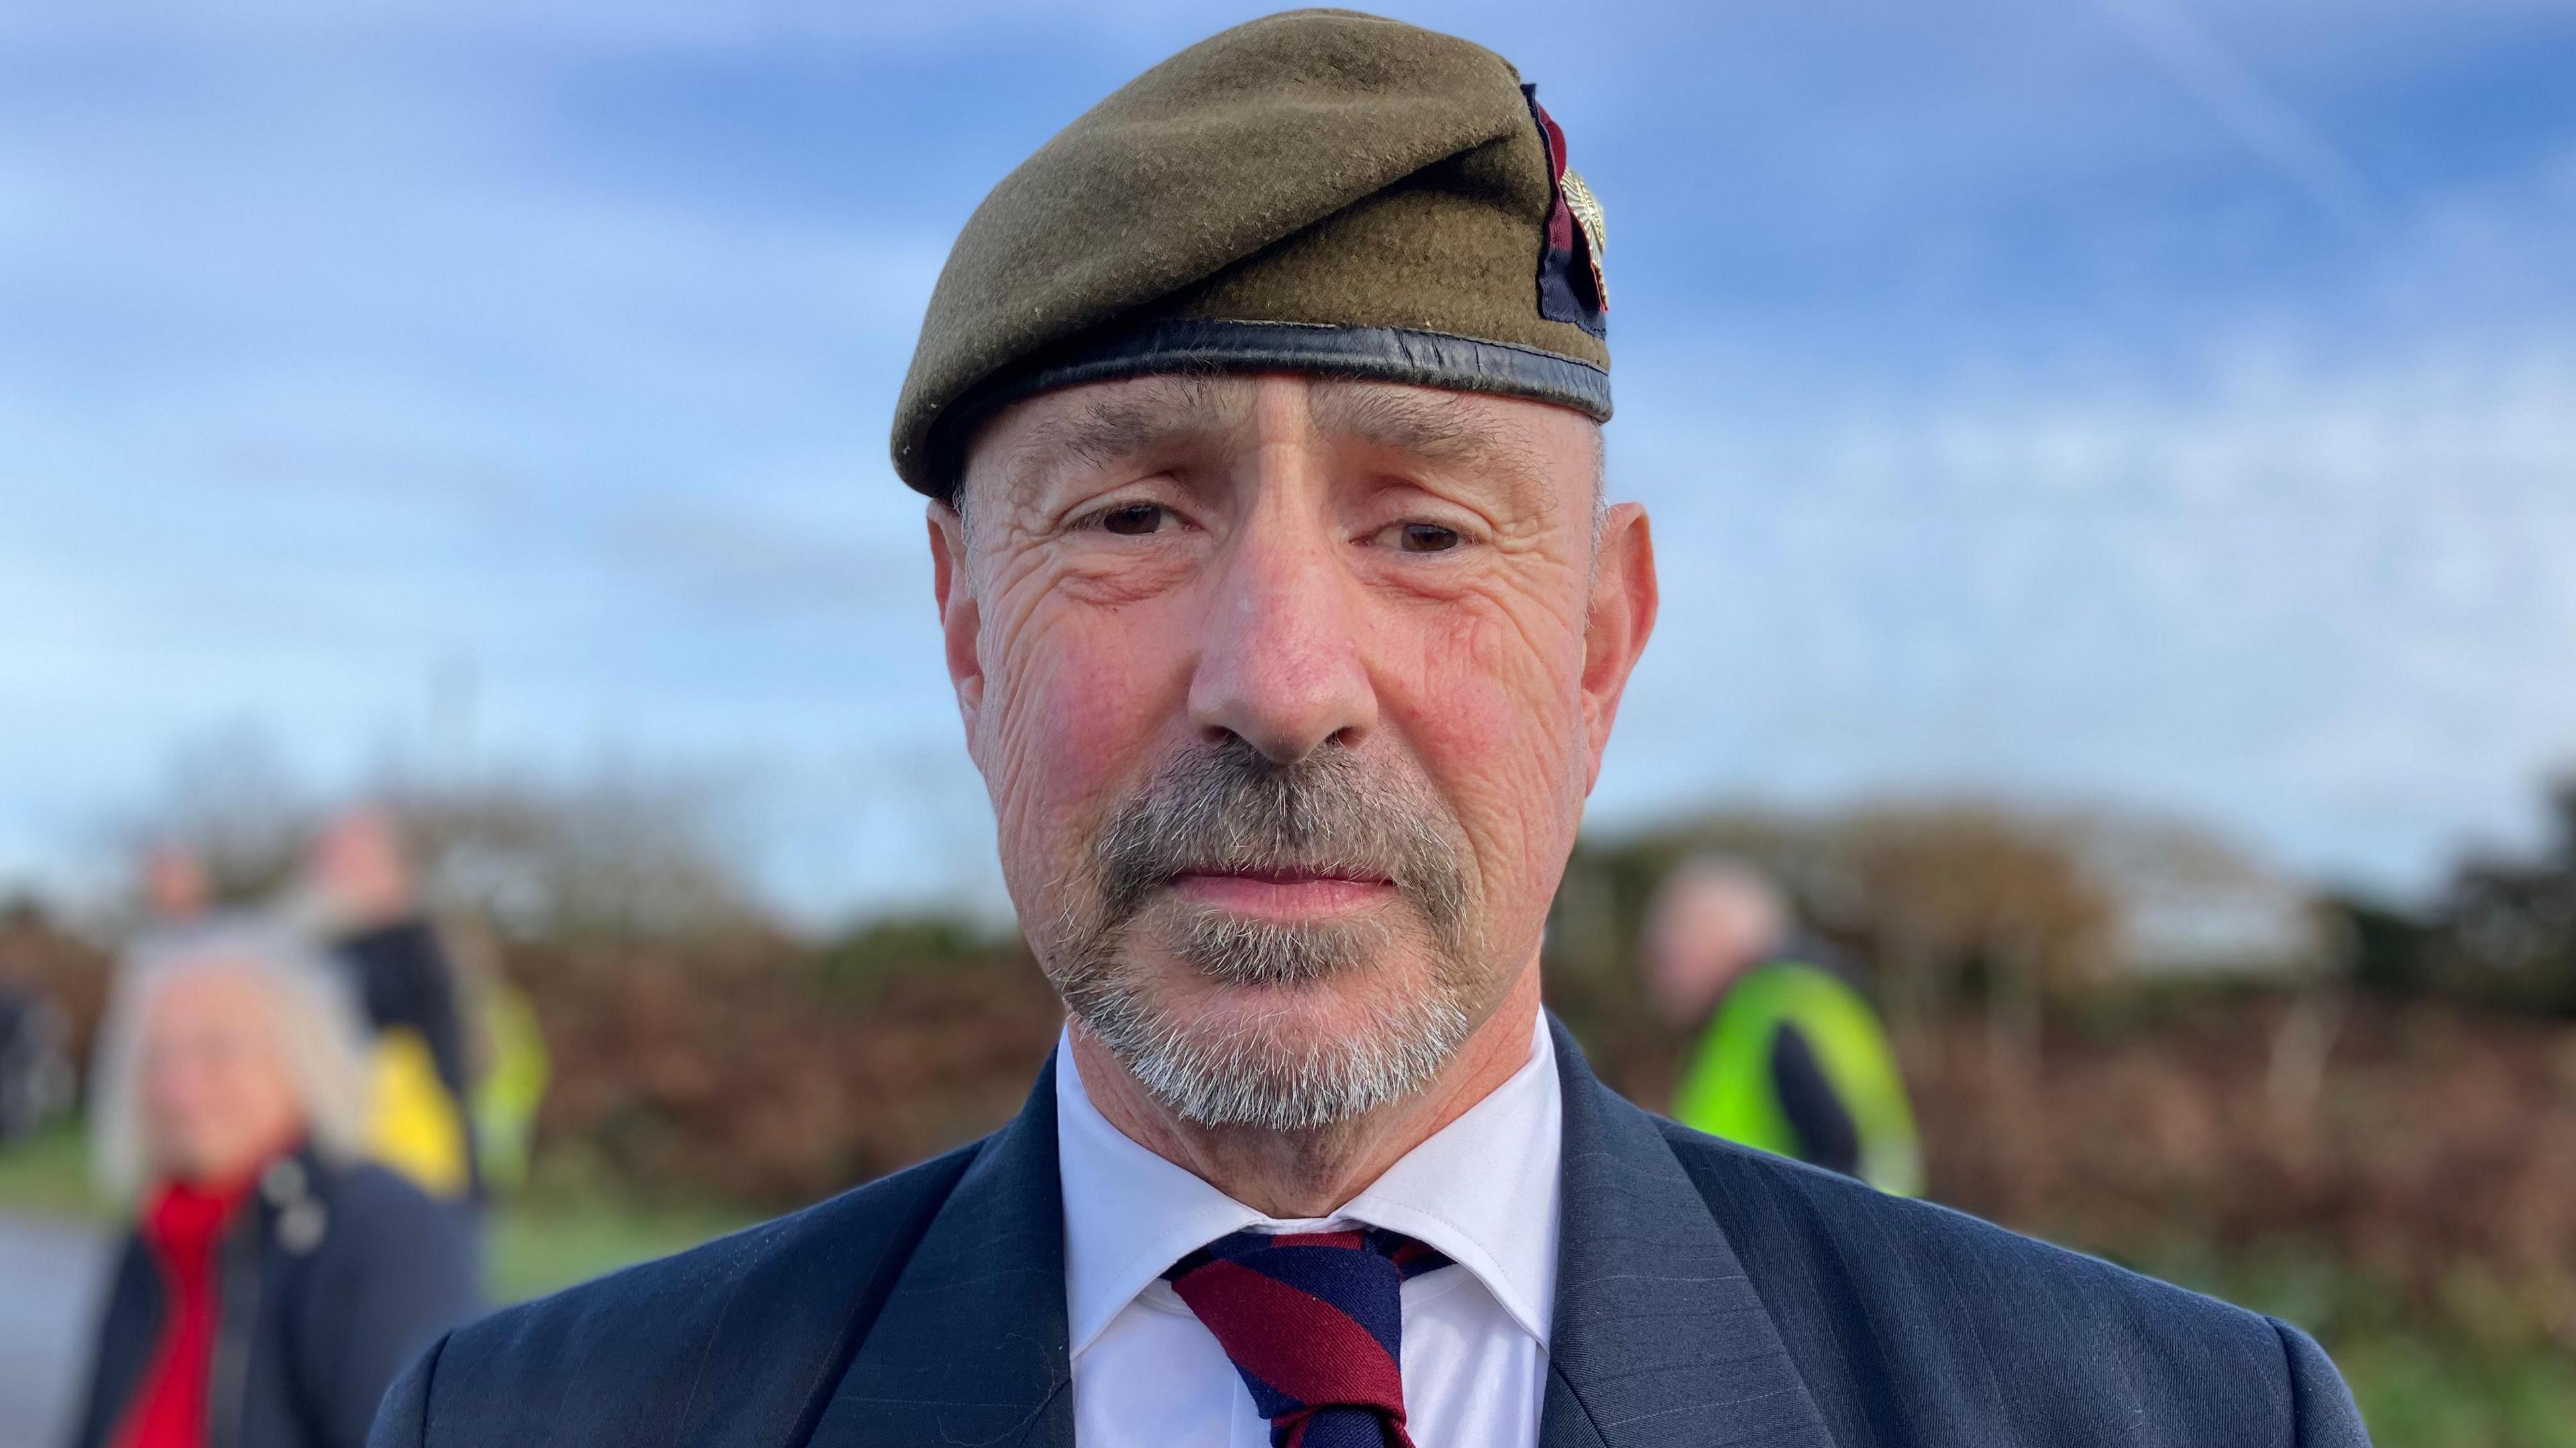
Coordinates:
1707	1295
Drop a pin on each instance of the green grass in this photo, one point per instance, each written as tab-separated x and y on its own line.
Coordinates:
2417	1391
47	1175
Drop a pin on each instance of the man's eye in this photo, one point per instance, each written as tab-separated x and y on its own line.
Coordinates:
1133	520
1428	538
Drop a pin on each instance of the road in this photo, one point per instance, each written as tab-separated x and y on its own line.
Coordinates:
50	1278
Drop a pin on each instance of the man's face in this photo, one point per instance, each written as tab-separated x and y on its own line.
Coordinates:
217	1098
1288	693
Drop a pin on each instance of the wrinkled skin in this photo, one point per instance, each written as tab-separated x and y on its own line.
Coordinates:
1149	567
218	1100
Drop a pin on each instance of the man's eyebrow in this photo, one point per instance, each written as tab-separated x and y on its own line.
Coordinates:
1130	422
1431	426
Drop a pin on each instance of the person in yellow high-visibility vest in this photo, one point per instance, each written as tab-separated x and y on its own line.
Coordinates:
360	893
1791	1058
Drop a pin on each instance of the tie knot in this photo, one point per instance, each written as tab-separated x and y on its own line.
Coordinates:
1314	1321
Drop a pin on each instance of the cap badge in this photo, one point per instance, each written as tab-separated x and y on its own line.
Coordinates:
1587	210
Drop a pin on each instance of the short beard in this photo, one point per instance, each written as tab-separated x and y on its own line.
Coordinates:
1226	807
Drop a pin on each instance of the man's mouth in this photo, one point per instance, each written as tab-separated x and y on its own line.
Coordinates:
1285	895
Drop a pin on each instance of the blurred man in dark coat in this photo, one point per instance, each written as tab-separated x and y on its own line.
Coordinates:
274	1282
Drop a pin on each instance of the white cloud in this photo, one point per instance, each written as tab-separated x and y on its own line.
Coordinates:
2328	598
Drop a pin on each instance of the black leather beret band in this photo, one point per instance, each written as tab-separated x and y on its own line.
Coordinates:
1194	345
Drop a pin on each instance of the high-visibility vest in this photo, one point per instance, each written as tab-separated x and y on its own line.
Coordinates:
417	1128
505	1101
1729	1090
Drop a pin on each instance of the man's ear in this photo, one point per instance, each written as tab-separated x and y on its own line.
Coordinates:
1624	600
960	619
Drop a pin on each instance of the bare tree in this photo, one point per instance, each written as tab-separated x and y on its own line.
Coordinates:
617	850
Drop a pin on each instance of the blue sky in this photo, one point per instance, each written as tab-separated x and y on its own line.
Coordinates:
2142	401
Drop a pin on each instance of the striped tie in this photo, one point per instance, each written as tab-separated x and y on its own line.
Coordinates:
1315	1323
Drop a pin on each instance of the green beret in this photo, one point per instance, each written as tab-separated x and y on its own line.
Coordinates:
1317	191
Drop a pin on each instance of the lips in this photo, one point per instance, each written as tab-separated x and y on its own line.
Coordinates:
1283	894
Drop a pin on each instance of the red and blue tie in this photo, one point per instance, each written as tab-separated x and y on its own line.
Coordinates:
1314	1321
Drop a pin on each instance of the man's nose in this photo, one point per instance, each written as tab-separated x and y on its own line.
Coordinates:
1279	660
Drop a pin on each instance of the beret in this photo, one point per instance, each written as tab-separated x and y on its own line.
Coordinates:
1315	191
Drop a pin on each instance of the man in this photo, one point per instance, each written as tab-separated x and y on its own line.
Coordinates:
360	892
1258	411
273	1283
1791	1057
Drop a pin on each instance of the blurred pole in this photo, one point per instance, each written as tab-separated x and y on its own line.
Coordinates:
2294	1080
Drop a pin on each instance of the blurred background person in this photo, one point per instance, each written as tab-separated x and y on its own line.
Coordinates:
273	1281
36	1077
460	1066
359	894
1791	1057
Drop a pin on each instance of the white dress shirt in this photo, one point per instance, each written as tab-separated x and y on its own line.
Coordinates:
1147	1374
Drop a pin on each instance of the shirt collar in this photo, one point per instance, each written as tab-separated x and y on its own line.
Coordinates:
1483	1190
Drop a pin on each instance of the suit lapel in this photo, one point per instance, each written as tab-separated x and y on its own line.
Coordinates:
1659	1339
971	1347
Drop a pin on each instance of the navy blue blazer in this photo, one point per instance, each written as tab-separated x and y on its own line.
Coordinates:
1706	1294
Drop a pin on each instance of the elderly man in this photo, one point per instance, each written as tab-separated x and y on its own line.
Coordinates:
274	1282
1259	416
